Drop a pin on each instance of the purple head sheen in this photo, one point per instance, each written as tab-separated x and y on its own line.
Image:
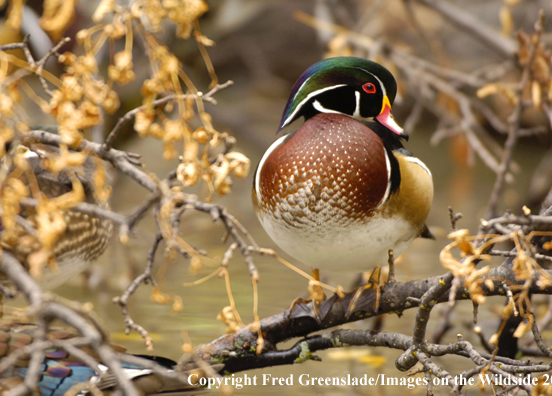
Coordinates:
58	371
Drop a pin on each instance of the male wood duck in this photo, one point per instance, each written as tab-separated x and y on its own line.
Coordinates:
341	191
85	237
60	371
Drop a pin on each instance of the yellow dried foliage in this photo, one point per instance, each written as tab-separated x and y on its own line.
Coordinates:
507	90
506	20
218	175
541	74
174	132
101	188
183	13
57	16
524	326
80	96
159	297
474	279
316	293
196	264
189	172
6	105
13	189
76	104
121	70
339	46
15	14
239	164
178	305
143	121
543	387
105	7
117	29
228	317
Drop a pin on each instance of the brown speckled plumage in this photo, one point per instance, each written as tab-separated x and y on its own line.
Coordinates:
332	167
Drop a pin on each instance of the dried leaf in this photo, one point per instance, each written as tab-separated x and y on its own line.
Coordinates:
506	20
104	7
239	164
536	95
159	297
228	317
524	327
57	16
15	14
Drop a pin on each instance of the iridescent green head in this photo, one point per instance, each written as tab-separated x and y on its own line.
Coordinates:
352	86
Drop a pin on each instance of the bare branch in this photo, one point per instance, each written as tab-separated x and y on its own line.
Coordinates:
470	24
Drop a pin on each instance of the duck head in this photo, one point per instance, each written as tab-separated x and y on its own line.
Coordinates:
356	87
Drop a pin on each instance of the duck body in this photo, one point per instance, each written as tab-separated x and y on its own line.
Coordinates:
341	191
85	236
61	371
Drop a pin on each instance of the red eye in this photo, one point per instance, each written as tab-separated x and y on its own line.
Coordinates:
369	88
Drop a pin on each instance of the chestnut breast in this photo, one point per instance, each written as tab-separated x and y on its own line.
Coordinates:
332	162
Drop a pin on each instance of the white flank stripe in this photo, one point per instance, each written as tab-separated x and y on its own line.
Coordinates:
417	161
388	189
277	143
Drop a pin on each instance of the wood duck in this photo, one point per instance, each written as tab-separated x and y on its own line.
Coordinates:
60	370
341	191
85	237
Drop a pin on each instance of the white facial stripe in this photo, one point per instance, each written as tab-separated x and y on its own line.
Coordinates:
273	147
380	83
318	106
356	114
417	161
377	78
309	96
388	189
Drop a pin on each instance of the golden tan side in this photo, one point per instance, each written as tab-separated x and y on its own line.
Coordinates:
414	198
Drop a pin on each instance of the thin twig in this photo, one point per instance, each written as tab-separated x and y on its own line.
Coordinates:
121	160
514	122
538	338
471	24
144	277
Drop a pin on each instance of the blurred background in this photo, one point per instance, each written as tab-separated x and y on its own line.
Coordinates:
264	46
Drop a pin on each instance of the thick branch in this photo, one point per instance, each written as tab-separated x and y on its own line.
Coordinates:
239	347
